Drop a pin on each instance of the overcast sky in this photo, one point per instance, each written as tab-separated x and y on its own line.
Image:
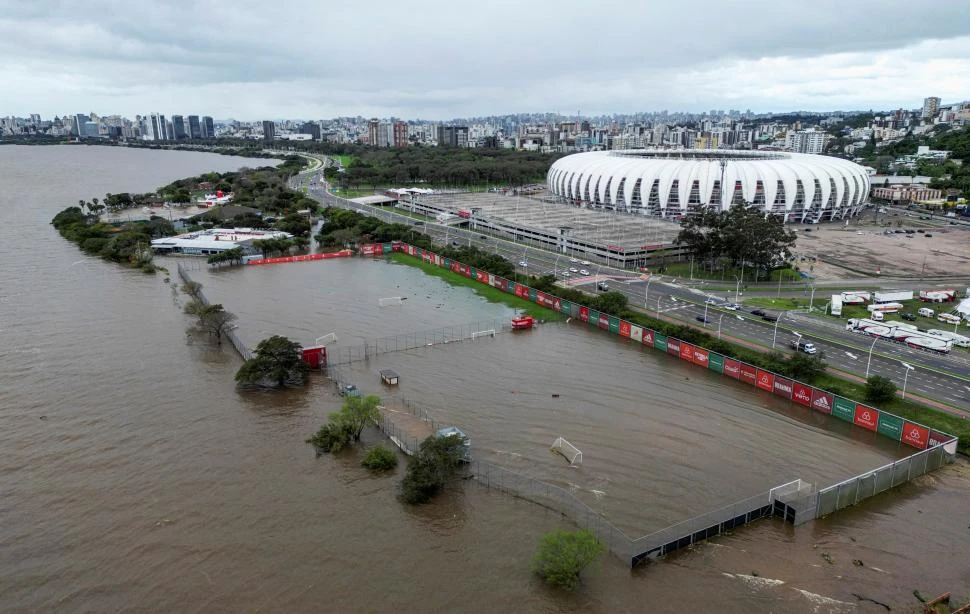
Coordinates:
262	59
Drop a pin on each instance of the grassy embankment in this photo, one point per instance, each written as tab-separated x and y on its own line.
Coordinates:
492	295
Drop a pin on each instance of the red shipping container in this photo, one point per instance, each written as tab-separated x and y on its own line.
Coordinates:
766	380
801	394
584	314
748	373
822	401
648	337
783	387
673	346
732	368
915	435
700	357
686	352
866	417
624	328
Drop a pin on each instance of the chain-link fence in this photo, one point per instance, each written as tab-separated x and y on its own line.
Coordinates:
869	484
469	331
244	352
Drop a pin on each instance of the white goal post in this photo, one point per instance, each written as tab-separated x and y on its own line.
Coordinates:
484	333
328	338
389	301
568	451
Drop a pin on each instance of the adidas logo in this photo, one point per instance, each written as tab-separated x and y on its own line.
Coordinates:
822	402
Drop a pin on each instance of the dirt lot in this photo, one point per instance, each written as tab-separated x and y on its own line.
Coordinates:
863	250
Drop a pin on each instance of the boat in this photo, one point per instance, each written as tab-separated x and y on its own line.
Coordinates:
523	323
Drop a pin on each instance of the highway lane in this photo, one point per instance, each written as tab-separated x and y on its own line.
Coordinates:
946	378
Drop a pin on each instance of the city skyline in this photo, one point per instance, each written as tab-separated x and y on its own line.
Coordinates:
458	62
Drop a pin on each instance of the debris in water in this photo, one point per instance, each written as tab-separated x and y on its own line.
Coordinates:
828	558
555	396
861	598
917	594
858	563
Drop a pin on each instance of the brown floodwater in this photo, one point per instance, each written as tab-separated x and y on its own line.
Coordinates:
133	476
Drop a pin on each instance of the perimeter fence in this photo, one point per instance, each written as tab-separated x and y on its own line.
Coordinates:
244	352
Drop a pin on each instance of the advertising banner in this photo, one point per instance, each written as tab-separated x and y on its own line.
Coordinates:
624	329
866	417
673	346
521	291
891	426
822	401
636	333
937	438
604	321
765	381
732	368
473	273
532	294
715	362
915	435
584	313
499	282
594	317
748	373
649	337
483	277
844	409
412	250
801	394
700	357
659	341
566	307
783	387
686	352
613	323
388	248
369	249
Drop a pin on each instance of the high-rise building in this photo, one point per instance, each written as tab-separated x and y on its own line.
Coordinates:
269	131
178	127
931	106
452	136
195	130
311	128
155	128
208	128
373	128
169	131
79	121
807	141
400	134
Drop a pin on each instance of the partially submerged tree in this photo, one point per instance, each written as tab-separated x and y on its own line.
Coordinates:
563	555
346	425
431	467
277	363
212	319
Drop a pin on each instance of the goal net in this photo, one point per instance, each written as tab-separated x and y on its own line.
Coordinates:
568	450
328	338
483	333
390	301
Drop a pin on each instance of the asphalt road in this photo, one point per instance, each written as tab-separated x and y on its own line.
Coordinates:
944	378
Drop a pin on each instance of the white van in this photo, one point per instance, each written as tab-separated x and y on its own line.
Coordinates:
877	316
926	312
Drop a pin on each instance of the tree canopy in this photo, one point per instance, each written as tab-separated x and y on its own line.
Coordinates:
277	362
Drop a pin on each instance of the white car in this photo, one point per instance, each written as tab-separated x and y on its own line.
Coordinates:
712	301
573	261
573	269
566	274
732	306
523	264
583	272
585	263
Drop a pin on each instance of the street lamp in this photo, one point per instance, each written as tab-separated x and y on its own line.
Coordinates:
706	305
869	362
719	326
811	301
646	295
775	335
905	377
737	289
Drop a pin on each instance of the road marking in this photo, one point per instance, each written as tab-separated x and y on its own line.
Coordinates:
851	355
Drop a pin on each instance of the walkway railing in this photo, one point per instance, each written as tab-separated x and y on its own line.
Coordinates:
244	352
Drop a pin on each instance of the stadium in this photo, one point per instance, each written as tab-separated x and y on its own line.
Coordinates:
803	188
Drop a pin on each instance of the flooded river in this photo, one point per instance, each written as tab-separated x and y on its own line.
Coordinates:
133	476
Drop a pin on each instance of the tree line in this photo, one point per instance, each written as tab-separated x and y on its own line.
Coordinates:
128	243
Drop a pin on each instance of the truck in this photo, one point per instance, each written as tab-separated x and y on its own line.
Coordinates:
949	318
836	305
885	307
938	296
803	346
891	296
855	297
960	340
900	332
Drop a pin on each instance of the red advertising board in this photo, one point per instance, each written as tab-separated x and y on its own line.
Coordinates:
501	283
456	266
801	394
604	322
700	357
915	435
765	380
937	438
522	291
546	300
673	346
584	314
481	276
748	373
822	401
624	328
782	387
648	337
686	352
866	417
732	368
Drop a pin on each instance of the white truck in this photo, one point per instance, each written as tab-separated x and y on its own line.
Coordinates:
960	340
885	307
892	296
803	346
900	333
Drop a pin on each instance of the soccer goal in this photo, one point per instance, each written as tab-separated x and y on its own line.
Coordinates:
568	450
484	333
390	301
328	338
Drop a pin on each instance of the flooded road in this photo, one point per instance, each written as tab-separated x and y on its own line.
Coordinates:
133	476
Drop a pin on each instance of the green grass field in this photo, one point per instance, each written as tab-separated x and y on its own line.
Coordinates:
492	295
344	160
683	270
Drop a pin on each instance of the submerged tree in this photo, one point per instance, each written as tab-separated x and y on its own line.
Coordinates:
277	363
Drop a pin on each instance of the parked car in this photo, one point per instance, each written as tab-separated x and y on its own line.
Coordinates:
583	272
602	286
419	223
483	237
703	320
921	231
523	264
757	312
573	261
928	235
908	316
585	263
573	269
349	390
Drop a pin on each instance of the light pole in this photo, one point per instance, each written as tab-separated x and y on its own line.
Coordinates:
706	305
737	289
719	326
905	377
811	301
798	338
555	267
646	295
869	362
774	337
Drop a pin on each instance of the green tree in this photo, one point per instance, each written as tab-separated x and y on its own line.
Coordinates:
379	458
880	389
805	367
212	319
430	468
563	555
181	196
277	362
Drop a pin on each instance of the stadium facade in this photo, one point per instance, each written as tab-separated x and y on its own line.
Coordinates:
673	183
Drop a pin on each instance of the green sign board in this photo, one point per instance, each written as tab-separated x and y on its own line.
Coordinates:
844	409
566	307
594	318
715	362
660	341
510	288
388	248
532	294
472	272
615	325
891	426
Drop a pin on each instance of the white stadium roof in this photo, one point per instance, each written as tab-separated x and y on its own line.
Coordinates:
671	183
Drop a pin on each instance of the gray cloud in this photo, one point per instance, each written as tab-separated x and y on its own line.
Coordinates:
437	59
